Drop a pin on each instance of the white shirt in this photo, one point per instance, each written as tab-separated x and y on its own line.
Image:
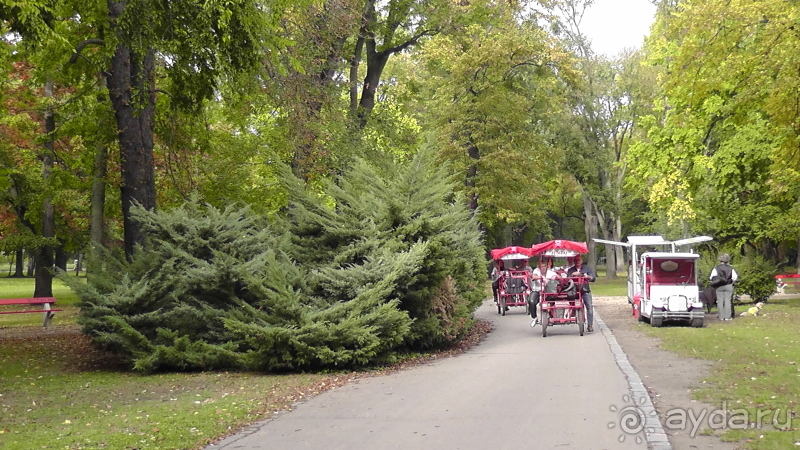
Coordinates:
734	275
496	273
537	284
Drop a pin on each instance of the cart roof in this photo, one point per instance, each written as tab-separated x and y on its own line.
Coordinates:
655	240
669	255
647	240
560	247
513	252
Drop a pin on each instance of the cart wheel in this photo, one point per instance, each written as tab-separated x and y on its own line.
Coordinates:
502	306
697	322
545	319
656	320
639	316
580	321
498	306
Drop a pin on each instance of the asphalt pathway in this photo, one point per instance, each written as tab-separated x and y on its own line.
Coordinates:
516	390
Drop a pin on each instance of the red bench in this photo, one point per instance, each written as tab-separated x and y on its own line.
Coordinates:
786	278
44	303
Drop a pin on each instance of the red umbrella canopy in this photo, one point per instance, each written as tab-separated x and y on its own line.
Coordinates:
513	252
560	247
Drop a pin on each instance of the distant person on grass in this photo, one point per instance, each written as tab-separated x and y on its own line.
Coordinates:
722	277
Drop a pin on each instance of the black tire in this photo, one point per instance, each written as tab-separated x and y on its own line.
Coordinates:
544	319
697	322
580	321
656	320
641	317
503	306
499	308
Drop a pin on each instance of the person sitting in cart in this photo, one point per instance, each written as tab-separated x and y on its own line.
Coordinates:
497	272
541	275
580	270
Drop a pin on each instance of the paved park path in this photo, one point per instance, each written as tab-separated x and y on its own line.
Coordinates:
516	390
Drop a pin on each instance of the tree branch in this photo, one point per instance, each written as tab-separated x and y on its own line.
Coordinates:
74	58
410	42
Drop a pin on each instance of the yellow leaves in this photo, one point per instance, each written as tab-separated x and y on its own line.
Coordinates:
672	194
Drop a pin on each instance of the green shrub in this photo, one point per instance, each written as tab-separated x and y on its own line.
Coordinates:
375	217
343	280
756	278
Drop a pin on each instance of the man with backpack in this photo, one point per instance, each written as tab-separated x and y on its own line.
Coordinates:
723	276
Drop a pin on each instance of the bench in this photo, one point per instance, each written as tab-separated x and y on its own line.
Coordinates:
44	303
784	279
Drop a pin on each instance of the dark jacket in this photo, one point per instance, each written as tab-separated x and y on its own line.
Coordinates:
586	272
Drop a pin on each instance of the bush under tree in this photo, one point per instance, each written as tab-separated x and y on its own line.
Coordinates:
756	278
344	279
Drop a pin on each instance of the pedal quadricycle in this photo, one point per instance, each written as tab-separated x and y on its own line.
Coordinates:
561	299
514	284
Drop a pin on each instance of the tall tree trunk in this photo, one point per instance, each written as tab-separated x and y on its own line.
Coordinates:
599	221
607	232
590	227
43	286
19	264
472	173
61	258
354	63
97	225
619	251
130	85
376	62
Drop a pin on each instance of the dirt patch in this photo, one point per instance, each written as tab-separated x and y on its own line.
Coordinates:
78	354
37	331
670	379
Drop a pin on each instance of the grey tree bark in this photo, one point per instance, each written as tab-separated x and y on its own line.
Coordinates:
590	227
130	81
97	225
43	284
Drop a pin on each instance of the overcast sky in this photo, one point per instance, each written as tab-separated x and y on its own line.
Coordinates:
614	25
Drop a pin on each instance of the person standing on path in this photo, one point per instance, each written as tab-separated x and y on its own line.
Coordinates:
722	277
579	270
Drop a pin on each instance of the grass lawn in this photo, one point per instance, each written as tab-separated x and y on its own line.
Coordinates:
66	300
604	287
758	369
57	392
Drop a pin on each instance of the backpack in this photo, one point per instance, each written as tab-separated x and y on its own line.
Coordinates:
724	276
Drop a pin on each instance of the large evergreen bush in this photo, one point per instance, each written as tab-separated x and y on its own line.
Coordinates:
344	279
375	219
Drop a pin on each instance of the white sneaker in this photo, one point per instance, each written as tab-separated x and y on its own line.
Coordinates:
534	322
